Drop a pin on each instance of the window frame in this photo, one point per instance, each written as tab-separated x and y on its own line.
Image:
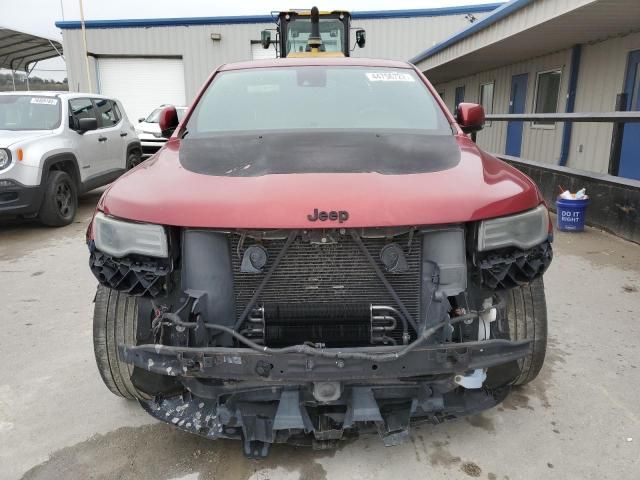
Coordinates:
116	110
71	113
493	96
538	125
99	116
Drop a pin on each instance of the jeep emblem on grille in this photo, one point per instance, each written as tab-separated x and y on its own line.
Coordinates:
340	215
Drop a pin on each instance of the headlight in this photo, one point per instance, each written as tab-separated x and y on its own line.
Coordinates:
5	158
523	230
119	238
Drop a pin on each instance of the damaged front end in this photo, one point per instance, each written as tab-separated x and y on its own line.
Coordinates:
312	336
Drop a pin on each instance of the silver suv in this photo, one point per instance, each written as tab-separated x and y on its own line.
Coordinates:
148	130
55	146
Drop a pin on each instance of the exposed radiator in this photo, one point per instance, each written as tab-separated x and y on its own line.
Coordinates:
336	273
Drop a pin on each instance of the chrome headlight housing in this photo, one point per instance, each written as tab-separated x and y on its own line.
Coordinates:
5	158
120	238
523	230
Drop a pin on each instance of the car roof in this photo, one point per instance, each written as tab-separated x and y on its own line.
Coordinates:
315	61
60	94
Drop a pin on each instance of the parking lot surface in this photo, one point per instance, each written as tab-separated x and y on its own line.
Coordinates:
579	419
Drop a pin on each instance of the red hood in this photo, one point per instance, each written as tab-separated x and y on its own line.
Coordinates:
161	191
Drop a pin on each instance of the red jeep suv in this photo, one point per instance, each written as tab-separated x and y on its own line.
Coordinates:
319	250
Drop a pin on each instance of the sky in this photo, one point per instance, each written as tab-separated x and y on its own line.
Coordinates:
39	16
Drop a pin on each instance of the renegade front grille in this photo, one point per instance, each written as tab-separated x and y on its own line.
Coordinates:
333	273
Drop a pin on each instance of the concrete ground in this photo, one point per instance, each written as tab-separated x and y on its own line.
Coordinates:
579	419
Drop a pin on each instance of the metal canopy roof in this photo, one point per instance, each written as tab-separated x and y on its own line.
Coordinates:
19	50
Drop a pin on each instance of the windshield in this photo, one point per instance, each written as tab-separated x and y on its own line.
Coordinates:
154	117
318	98
29	112
331	32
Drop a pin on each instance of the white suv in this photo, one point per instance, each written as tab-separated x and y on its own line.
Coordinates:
148	130
55	146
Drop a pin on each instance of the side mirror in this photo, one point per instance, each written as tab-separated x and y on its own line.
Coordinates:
470	117
168	121
86	124
361	38
141	119
265	38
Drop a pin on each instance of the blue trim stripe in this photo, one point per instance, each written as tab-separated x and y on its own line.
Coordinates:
165	22
237	20
503	11
426	12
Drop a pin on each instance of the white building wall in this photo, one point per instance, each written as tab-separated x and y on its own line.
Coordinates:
535	13
541	143
601	78
402	38
391	38
192	43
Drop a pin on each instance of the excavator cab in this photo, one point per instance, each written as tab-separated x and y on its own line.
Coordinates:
302	33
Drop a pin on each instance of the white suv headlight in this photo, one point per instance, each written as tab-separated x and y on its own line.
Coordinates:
5	158
119	238
523	230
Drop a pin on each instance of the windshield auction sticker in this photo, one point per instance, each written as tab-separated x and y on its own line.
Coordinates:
44	100
390	77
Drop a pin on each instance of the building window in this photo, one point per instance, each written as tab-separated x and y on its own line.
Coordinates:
486	99
547	93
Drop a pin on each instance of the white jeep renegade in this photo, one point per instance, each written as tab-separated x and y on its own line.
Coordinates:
57	145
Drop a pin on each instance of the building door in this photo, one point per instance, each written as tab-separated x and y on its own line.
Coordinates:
142	84
630	153
459	98
516	105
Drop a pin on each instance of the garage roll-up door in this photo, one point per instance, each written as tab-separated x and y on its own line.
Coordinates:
142	84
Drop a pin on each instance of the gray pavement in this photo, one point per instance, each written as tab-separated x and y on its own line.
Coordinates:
579	419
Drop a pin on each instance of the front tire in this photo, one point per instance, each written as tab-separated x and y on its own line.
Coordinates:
133	160
60	201
527	316
115	319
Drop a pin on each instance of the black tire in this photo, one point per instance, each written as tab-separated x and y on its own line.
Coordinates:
133	160
60	200
527	316
115	317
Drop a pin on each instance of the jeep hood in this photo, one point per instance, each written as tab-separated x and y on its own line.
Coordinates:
239	183
9	137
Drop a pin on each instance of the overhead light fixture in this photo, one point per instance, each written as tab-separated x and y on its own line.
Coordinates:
216	37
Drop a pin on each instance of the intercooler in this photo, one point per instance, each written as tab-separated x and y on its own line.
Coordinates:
324	292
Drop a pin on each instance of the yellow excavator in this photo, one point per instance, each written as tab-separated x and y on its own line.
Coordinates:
303	33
